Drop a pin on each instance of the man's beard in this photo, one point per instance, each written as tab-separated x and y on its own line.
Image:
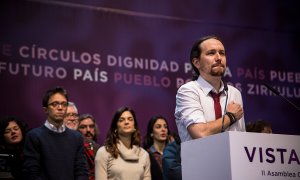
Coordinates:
88	135
218	73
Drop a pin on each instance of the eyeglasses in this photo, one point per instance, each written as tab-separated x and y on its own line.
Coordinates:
72	121
73	115
56	104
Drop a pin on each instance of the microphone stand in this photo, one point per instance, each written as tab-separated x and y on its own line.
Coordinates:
278	94
225	109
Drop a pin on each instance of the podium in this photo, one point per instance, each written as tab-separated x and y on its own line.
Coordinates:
236	155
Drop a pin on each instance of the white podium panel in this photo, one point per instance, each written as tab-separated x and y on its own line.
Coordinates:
241	156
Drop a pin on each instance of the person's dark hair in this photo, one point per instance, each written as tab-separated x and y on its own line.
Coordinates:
176	137
86	116
112	137
196	52
257	126
4	123
148	140
51	92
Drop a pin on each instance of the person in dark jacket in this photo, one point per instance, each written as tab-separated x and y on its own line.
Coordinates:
13	131
171	160
52	151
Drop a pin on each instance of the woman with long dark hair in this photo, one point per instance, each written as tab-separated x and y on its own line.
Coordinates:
121	157
155	141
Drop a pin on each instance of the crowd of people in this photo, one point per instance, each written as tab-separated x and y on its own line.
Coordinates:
65	145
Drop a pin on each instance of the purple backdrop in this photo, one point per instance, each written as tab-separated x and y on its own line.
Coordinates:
110	54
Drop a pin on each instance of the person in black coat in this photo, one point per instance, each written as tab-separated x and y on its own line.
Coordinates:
171	160
12	131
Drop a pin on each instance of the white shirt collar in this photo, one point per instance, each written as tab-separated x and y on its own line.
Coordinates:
206	87
53	128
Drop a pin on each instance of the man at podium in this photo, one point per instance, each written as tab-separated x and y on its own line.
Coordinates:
207	105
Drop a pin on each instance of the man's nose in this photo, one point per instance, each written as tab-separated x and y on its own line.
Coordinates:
60	107
218	57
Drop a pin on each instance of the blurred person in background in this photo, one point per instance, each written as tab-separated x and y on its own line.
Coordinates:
71	118
155	141
259	126
171	160
88	128
13	131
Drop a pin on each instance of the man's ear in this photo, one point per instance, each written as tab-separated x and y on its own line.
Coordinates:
196	62
45	110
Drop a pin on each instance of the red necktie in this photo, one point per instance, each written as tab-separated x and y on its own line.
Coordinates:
217	105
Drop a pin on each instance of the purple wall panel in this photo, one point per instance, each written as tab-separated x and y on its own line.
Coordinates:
89	48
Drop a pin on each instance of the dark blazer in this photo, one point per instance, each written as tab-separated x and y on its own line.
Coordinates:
156	172
171	161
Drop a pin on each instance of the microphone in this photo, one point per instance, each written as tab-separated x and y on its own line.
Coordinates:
225	107
225	86
278	94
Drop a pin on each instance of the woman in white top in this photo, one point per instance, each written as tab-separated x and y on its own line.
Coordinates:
121	157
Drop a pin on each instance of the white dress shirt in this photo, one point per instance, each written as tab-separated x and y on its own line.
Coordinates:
50	126
195	105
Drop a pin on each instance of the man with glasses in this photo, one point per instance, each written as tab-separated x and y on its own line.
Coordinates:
53	151
89	130
71	119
